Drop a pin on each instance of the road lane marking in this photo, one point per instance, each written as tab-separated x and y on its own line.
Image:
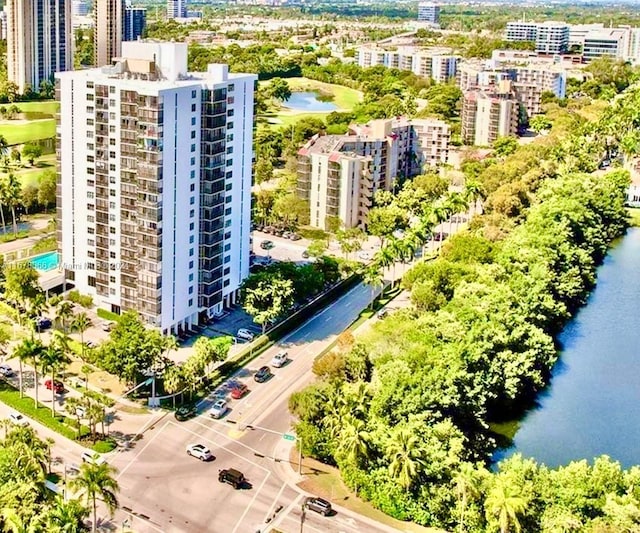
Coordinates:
271	511
142	450
252	500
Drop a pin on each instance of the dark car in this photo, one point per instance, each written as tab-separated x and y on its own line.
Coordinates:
232	476
305	255
57	386
319	506
295	237
263	374
266	245
185	412
43	323
239	391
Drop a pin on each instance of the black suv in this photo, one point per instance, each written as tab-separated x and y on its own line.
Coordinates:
319	506
262	375
232	476
185	412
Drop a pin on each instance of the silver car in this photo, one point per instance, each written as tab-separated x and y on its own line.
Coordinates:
219	409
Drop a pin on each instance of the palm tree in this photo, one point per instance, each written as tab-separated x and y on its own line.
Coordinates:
94	483
473	192
406	456
72	405
3	194
66	516
86	370
466	486
12	197
506	504
81	323
373	277
353	442
52	358
173	381
64	313
24	352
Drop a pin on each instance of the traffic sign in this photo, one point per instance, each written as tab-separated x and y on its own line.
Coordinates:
286	436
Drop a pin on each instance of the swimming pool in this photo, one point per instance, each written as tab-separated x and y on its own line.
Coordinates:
45	262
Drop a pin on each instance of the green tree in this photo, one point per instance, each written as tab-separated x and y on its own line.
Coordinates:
21	286
173	381
268	300
279	89
406	456
539	123
47	189
263	170
95	483
504	146
317	248
81	323
506	504
65	516
31	152
52	358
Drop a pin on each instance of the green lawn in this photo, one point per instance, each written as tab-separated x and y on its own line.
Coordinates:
20	133
634	216
29	175
47	106
286	117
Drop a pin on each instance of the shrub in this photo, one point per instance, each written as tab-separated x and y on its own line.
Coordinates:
84	300
104	446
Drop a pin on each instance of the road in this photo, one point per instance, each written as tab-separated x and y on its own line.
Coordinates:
165	490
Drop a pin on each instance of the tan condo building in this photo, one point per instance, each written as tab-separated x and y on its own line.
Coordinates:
107	36
489	114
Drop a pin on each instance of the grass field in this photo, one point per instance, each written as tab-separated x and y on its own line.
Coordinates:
48	106
23	132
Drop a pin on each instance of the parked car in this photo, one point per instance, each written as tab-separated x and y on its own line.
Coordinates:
245	334
239	390
287	234
319	505
43	323
89	456
295	237
17	419
199	451
185	412
305	255
262	375
6	371
267	245
232	476
57	386
365	256
219	409
382	313
107	326
280	359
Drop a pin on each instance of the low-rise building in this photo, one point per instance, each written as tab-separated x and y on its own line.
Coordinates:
339	174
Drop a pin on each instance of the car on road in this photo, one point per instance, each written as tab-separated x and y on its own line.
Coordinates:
232	476
43	323
185	412
239	390
57	386
244	334
18	419
263	374
199	451
318	505
79	411
280	359
6	371
267	245
305	255
218	409
90	456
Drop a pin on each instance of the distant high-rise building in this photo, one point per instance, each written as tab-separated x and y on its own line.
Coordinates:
107	34
135	20
39	40
176	9
3	25
79	8
429	12
521	31
552	38
612	43
154	190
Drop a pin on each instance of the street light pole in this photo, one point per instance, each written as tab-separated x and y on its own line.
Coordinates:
297	439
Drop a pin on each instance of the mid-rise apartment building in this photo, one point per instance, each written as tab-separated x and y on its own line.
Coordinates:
154	189
521	31
612	43
134	22
489	114
429	12
552	38
339	174
39	41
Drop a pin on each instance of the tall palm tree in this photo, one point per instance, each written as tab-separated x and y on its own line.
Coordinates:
94	483
72	406
354	439
64	314
53	357
24	352
373	277
406	456
506	504
81	323
3	194
66	516
466	486
173	381
13	197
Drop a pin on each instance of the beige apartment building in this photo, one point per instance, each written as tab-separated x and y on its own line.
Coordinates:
107	35
340	174
489	114
39	41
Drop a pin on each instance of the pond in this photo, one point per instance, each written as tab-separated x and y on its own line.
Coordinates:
592	406
308	101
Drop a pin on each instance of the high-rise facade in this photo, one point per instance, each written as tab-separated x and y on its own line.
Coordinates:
429	12
552	38
340	174
39	41
489	114
176	9
154	192
134	22
107	35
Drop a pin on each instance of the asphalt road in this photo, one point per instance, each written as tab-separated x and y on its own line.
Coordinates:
163	489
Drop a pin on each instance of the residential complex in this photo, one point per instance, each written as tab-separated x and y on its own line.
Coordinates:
107	36
39	41
436	63
340	174
489	113
154	191
429	12
550	37
134	22
607	42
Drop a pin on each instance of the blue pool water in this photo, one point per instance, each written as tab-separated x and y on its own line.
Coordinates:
45	262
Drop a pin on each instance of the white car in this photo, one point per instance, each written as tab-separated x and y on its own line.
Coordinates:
279	359
6	371
18	419
199	451
365	256
245	334
90	456
218	409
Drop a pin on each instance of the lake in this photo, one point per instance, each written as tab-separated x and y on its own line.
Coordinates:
592	406
308	101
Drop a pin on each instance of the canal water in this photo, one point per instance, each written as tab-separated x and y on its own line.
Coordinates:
592	406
